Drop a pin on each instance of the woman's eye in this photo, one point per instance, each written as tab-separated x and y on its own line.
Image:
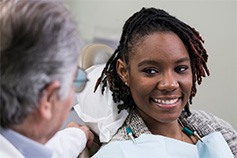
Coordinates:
181	69
150	71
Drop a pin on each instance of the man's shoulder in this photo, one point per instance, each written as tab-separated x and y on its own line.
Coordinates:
7	149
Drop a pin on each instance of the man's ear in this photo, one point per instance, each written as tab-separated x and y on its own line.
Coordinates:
47	100
122	71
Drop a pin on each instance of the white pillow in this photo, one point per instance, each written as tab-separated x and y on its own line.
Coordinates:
99	112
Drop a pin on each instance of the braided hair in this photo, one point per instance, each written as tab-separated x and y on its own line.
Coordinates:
145	22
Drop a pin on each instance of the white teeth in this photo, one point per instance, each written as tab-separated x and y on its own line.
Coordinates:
167	102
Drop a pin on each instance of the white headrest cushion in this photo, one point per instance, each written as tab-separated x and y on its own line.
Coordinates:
99	112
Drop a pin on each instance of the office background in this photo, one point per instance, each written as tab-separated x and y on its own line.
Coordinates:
216	20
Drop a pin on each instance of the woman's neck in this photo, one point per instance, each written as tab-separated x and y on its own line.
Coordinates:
171	129
167	129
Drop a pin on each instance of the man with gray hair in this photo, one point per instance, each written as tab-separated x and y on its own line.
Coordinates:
39	48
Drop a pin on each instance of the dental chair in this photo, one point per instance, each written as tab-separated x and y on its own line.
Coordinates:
92	54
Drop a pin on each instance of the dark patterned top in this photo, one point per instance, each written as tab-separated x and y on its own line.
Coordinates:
202	122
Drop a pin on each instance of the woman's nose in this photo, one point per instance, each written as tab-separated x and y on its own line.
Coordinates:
168	82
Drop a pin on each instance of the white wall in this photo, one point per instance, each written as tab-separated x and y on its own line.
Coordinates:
215	20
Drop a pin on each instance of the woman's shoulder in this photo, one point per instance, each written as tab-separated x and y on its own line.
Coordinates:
205	123
203	120
207	117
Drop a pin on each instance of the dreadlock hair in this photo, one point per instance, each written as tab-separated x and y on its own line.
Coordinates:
145	22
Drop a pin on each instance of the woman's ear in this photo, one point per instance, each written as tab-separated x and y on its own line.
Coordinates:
122	71
48	99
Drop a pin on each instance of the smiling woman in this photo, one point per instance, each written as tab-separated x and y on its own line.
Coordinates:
153	75
220	87
159	79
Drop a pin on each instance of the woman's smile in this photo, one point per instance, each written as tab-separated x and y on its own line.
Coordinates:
166	103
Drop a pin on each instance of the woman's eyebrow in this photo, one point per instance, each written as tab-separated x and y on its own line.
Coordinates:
148	62
156	62
182	60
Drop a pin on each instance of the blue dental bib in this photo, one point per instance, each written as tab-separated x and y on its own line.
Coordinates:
153	146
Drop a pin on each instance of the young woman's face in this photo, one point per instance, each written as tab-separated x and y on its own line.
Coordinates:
160	77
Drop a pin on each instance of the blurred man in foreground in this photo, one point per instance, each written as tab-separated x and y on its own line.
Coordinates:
39	48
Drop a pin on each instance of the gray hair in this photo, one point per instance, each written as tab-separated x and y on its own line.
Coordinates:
39	44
